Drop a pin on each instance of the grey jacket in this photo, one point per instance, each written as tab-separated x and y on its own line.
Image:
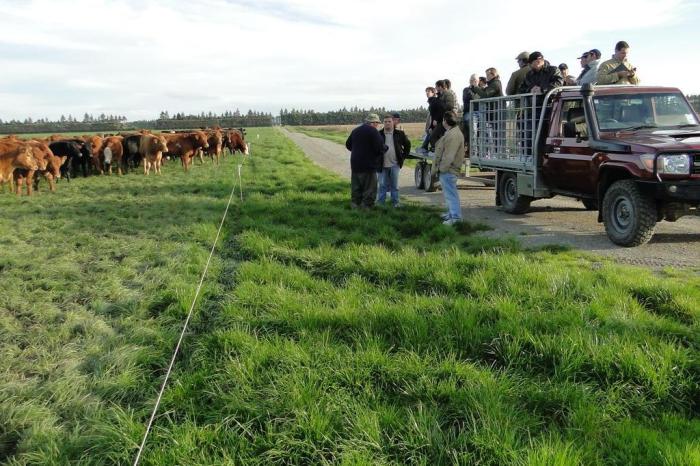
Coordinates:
590	75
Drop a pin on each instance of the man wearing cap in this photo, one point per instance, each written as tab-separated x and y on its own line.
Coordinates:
397	148
366	152
517	78
568	79
618	70
590	70
542	77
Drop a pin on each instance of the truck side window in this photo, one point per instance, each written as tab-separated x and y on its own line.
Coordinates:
573	119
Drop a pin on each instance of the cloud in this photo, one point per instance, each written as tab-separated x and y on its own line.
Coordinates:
137	58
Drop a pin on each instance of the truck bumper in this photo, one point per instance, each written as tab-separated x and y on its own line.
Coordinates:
686	191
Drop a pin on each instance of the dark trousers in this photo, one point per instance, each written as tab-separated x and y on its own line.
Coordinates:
363	188
435	135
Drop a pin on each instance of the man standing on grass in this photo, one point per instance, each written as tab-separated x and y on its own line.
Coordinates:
398	147
449	155
366	151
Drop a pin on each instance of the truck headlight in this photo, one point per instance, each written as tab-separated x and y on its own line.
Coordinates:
673	164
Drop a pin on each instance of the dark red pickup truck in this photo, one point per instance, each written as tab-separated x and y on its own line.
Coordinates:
630	152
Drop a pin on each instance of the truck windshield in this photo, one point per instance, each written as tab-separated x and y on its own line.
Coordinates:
637	111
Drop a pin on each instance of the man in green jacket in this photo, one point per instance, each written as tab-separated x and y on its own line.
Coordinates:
517	78
449	155
618	70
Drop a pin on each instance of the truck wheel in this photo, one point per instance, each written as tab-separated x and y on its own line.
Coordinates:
418	175
428	178
508	195
590	204
628	215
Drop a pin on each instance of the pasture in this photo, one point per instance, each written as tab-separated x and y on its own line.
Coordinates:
326	335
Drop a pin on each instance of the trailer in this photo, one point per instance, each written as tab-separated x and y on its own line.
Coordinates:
425	177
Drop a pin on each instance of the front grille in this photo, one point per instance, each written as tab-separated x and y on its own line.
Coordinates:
695	168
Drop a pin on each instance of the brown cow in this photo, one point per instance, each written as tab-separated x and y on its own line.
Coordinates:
215	139
185	145
112	152
95	145
42	153
14	154
151	147
235	141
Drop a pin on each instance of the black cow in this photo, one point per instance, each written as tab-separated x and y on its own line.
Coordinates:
77	154
132	155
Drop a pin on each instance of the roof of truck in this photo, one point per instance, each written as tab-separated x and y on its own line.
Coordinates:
569	91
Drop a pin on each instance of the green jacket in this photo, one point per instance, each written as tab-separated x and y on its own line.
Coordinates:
449	152
607	73
516	80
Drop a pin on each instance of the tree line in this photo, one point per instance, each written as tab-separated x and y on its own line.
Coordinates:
227	119
111	123
346	116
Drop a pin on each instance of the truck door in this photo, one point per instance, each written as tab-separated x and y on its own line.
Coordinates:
568	159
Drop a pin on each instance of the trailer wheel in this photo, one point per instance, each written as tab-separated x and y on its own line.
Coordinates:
508	195
590	204
629	215
428	178
418	175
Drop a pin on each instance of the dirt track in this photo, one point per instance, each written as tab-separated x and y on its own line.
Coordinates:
552	221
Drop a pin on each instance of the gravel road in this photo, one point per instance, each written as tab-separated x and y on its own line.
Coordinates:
550	221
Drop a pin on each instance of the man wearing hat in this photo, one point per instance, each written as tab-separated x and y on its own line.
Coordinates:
589	61
366	155
542	77
568	79
396	118
517	78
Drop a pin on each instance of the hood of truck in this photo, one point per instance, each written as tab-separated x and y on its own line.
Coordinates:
658	140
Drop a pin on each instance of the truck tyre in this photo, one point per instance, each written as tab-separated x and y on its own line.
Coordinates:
418	175
629	216
590	204
508	195
428	178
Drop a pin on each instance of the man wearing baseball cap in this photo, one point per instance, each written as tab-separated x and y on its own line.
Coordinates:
518	76
366	155
542	77
590	71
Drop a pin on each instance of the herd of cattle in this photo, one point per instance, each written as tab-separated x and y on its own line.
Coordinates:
26	161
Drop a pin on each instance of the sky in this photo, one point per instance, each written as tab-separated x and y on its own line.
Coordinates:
140	57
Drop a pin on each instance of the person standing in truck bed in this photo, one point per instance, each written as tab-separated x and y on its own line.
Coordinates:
618	70
517	78
542	77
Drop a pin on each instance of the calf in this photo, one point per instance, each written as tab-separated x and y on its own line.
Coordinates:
113	153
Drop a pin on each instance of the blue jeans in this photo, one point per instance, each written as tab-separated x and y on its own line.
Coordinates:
448	181
389	181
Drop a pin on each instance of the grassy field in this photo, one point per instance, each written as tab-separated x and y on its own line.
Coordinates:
327	335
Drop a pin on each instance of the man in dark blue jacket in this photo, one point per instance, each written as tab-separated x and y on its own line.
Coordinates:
366	156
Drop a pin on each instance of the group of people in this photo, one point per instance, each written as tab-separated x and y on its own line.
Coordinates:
377	156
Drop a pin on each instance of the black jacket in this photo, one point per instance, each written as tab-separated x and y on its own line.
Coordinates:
468	94
547	78
436	107
366	149
402	145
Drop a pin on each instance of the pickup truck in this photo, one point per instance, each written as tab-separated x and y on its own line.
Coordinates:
630	152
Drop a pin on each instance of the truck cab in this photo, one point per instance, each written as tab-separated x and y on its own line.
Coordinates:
630	152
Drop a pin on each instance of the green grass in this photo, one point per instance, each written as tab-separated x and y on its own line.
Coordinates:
327	335
330	134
